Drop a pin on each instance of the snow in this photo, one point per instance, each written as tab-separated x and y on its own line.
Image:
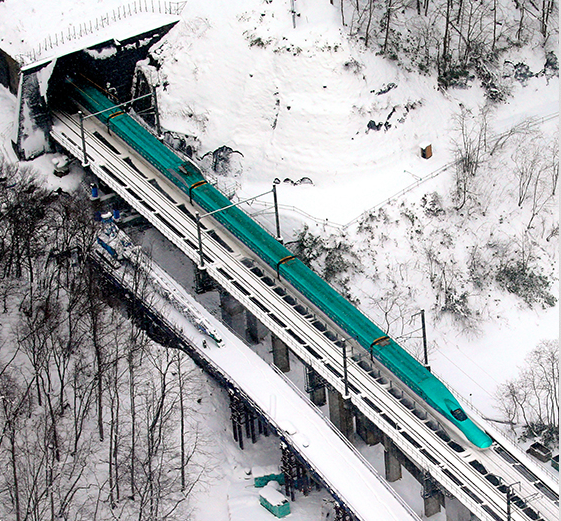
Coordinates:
298	84
51	29
271	495
297	103
345	472
260	471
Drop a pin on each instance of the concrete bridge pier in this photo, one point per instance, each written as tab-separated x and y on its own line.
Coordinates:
370	434
455	511
280	354
255	331
392	464
433	498
315	387
233	313
431	504
340	413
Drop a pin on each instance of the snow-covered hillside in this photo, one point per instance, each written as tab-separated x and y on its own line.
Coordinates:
310	102
297	103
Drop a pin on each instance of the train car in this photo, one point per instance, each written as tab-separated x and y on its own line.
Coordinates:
189	179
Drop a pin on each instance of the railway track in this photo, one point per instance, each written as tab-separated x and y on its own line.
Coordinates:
479	479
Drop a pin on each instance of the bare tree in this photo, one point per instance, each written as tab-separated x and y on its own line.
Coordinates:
533	397
547	8
470	152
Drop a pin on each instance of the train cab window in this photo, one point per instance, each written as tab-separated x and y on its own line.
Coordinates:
459	415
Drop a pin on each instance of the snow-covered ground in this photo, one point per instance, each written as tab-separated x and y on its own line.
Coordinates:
296	103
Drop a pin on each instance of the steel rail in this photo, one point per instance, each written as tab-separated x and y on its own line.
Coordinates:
251	281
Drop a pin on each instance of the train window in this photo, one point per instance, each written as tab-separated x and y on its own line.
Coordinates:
459	415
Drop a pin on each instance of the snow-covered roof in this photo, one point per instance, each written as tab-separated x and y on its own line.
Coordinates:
38	31
273	496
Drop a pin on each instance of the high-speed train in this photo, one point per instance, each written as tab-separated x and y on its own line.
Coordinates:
188	178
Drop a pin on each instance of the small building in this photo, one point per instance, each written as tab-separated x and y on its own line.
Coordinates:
262	475
539	451
274	501
426	150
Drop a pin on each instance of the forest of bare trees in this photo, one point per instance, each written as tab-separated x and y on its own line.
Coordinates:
456	39
532	398
94	420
